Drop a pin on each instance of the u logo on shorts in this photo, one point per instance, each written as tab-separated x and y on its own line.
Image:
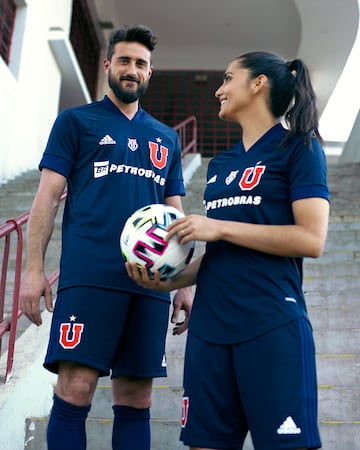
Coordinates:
185	410
70	334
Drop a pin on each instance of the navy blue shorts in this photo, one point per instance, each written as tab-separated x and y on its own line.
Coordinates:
111	331
266	385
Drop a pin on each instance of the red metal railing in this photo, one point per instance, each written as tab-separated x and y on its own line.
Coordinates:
187	131
9	324
5	324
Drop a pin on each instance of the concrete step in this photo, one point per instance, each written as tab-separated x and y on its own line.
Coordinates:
338	256
343	224
166	405
343	237
332	283
338	369
334	318
335	435
165	435
340	435
346	399
331	299
323	269
16	195
337	341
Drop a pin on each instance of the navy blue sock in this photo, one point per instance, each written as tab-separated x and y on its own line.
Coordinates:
131	429
66	428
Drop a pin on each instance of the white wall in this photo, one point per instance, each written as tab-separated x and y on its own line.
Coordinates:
342	109
30	86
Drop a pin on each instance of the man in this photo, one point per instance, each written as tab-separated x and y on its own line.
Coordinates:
114	158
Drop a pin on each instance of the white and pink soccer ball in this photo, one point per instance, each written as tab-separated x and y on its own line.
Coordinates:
142	241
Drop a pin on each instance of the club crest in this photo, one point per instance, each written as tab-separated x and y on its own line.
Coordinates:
132	144
231	177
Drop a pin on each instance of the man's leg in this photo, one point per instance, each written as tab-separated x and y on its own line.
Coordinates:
132	401
72	401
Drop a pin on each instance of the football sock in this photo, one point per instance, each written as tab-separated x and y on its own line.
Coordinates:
66	428
131	429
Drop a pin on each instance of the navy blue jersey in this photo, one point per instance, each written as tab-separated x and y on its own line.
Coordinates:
113	166
242	293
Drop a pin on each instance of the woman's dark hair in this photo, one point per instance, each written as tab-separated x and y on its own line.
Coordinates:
137	33
291	92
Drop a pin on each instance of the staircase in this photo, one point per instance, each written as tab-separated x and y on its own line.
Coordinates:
332	285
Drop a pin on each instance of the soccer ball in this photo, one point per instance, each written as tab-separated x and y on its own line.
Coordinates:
142	241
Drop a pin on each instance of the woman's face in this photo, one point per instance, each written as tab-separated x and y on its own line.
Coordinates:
236	92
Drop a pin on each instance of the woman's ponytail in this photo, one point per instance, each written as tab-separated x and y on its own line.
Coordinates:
302	116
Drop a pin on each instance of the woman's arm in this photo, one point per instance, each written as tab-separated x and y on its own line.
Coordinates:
305	238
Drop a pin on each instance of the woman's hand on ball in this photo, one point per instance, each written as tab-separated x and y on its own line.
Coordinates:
194	227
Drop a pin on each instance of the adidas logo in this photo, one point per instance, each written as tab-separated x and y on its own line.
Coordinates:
288	427
107	140
212	179
163	362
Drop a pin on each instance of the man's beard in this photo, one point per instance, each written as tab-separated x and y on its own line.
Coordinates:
125	95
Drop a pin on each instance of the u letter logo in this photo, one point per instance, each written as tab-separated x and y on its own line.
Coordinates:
251	177
185	410
158	155
70	334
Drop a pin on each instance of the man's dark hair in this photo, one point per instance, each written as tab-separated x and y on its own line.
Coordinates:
136	33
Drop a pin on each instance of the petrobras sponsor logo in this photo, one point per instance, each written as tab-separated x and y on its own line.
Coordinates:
237	200
105	168
101	169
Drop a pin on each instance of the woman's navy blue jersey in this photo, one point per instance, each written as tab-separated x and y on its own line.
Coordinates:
242	293
113	166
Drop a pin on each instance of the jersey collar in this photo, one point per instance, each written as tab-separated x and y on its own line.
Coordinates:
110	105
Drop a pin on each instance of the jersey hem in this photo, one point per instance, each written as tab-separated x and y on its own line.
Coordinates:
165	297
234	341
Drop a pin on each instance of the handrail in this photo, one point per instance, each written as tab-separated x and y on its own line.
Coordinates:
187	130
16	313
6	324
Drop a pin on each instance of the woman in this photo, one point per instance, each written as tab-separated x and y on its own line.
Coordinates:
250	356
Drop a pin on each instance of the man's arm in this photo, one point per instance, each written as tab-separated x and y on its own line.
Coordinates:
183	298
40	226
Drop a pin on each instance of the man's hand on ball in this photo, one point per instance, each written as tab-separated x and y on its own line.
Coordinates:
141	276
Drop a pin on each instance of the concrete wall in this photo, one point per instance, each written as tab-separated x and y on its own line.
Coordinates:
30	85
351	152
